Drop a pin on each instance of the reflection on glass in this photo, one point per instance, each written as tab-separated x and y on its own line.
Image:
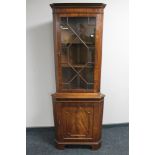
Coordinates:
78	52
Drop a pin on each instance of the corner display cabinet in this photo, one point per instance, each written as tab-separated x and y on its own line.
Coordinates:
78	103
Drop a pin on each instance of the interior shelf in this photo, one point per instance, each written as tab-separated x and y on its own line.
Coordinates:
77	43
78	66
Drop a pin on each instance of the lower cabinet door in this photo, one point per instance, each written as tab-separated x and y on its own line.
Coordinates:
77	121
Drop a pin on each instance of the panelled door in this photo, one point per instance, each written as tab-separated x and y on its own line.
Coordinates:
77	121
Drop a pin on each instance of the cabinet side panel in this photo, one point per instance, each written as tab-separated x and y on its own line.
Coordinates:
57	120
56	23
99	30
98	114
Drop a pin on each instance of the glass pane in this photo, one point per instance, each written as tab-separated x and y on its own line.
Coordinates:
64	54
67	74
77	83
78	52
88	74
84	27
91	54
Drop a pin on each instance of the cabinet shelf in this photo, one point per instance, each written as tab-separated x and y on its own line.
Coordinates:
78	66
77	43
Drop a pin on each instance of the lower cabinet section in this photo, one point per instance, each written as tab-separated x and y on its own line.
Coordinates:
78	121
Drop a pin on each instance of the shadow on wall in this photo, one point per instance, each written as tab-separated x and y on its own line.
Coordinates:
40	74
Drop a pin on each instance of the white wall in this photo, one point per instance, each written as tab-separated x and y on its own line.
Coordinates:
40	62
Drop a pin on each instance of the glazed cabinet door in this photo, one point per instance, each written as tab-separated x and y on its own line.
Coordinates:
77	121
77	50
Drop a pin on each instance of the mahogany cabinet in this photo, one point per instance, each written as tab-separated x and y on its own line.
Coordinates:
78	103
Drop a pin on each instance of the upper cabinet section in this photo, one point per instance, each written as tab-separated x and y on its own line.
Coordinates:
77	29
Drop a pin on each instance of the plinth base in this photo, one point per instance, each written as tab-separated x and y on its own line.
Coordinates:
61	145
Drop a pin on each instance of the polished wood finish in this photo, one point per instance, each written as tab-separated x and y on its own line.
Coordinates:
78	111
